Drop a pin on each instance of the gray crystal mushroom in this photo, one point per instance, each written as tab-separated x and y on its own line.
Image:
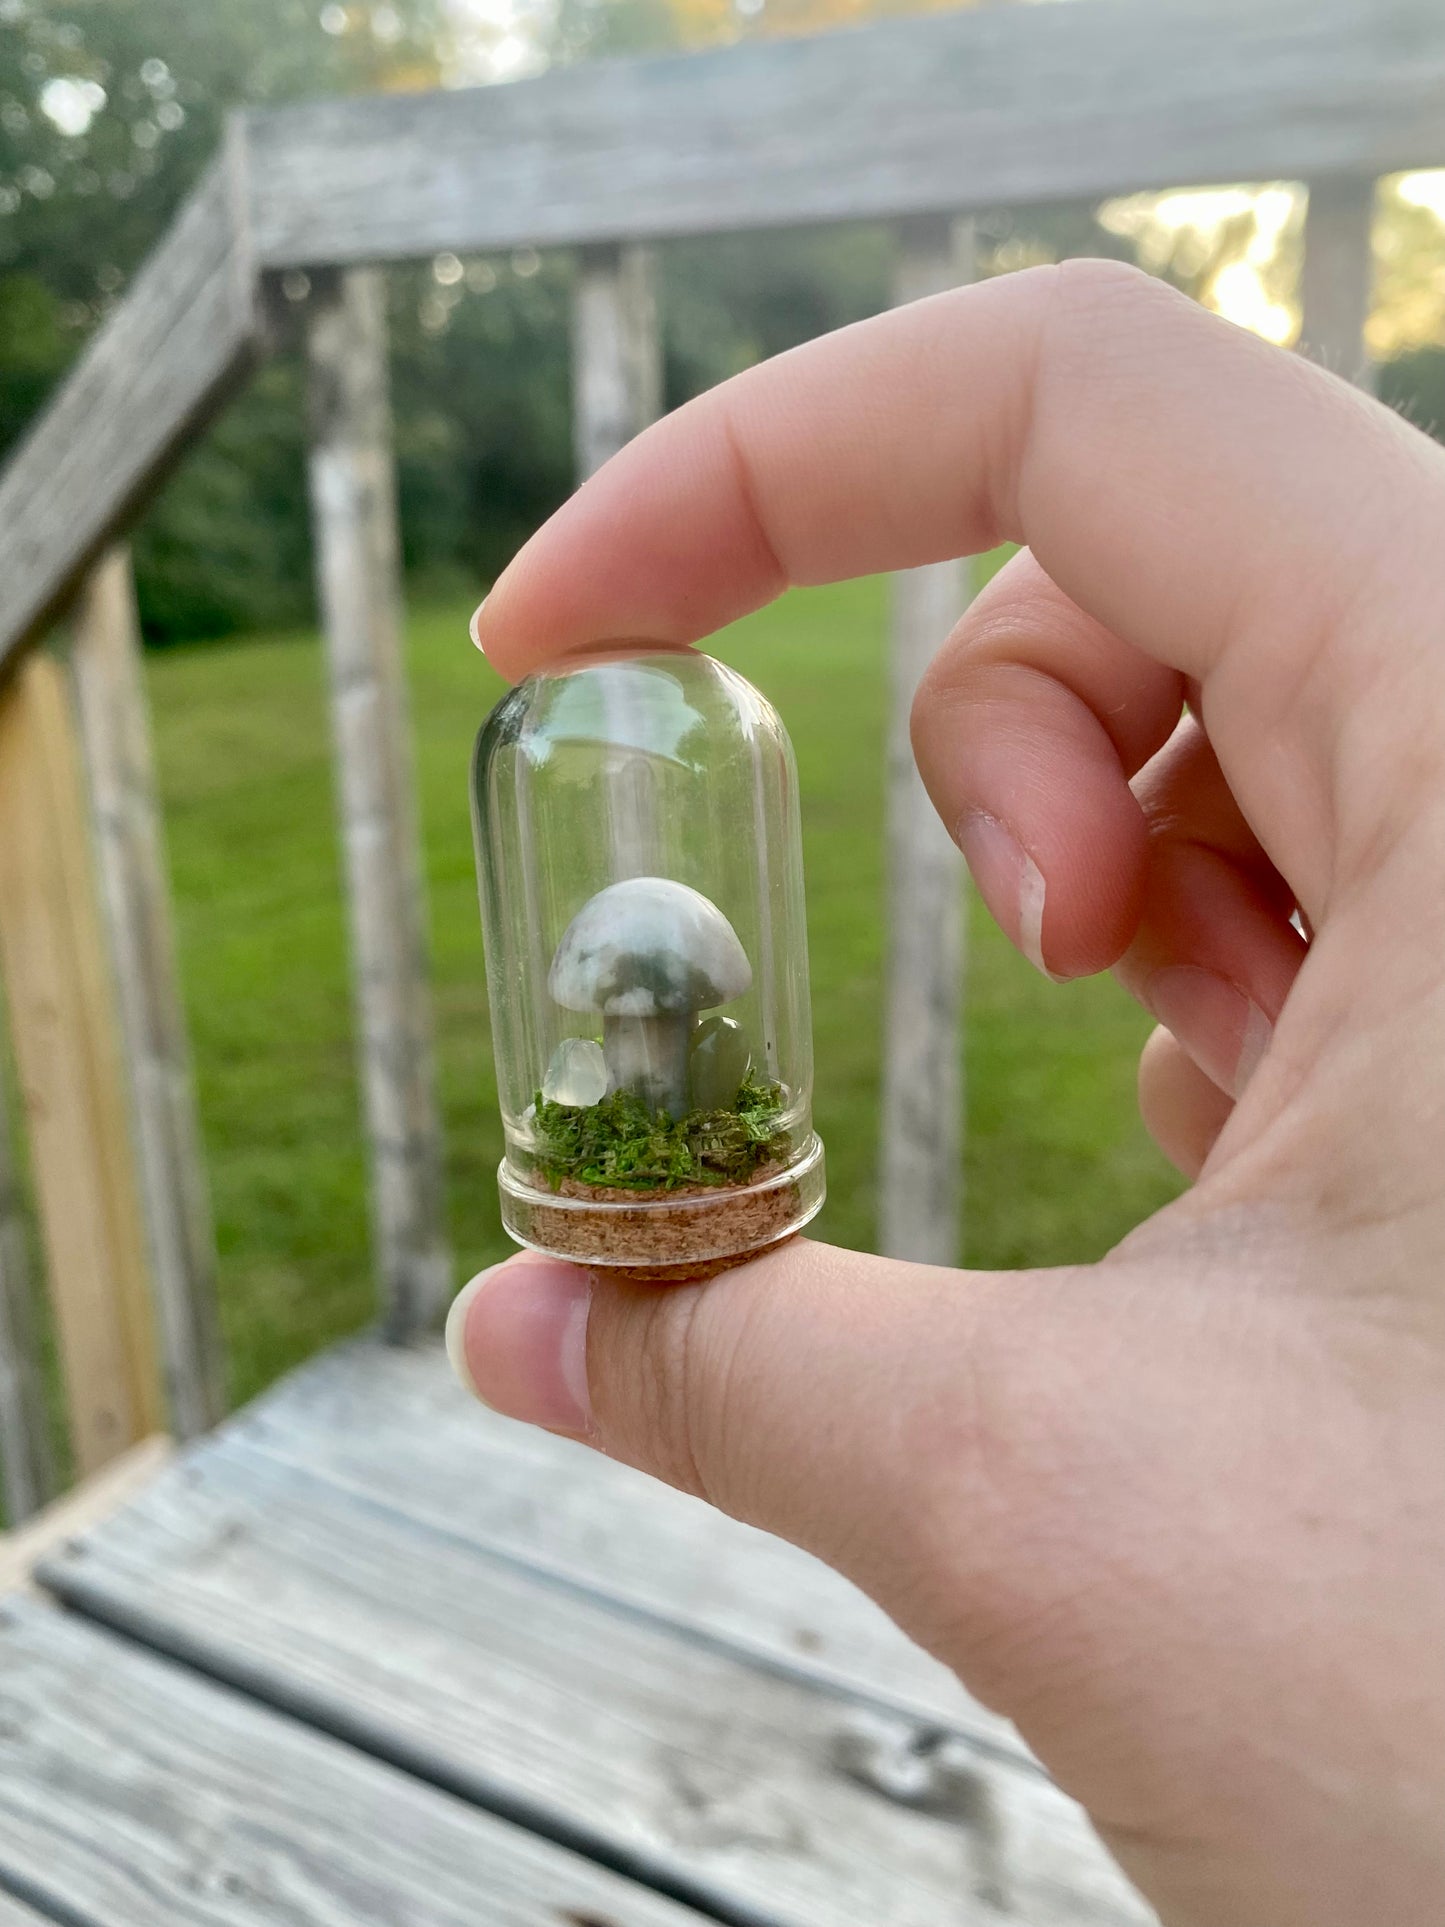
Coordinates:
649	954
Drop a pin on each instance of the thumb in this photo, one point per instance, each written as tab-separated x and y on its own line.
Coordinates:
901	1421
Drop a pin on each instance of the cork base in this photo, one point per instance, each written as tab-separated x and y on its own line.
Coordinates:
680	1235
697	1274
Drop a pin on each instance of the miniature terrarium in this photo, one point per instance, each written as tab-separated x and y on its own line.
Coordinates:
638	852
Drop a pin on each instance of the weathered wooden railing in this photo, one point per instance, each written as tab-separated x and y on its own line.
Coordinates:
923	123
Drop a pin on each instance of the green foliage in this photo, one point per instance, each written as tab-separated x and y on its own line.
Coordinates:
228	545
1415	385
622	1142
481	392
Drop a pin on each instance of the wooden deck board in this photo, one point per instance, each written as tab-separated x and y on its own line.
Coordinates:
22	1550
134	1794
668	1754
14	1913
393	1424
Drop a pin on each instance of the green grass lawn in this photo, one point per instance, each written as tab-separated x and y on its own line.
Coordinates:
1058	1166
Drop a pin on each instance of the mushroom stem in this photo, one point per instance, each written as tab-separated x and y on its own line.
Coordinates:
649	1057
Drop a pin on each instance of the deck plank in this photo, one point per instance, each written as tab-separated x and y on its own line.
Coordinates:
742	1790
14	1913
392	1423
22	1550
133	1794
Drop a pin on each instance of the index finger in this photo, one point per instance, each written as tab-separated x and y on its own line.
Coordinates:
1213	501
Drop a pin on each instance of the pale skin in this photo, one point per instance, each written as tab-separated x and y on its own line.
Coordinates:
1180	1514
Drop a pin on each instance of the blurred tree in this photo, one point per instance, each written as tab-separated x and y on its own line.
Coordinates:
481	400
1415	384
585	29
1238	250
109	109
1409	315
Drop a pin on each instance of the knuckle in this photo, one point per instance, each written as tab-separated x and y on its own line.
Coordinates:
642	1343
674	1388
1090	285
1105	336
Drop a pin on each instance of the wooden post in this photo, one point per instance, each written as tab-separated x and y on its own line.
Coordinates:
920	1166
115	736
353	501
1337	276
63	1024
26	1461
616	392
616	353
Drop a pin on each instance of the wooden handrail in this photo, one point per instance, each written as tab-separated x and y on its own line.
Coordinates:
1004	106
184	334
953	112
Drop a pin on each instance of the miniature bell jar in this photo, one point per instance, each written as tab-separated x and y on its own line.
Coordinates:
636	818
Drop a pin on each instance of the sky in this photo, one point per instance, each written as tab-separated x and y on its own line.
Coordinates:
496	39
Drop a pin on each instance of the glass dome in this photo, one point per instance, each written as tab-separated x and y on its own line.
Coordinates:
640	869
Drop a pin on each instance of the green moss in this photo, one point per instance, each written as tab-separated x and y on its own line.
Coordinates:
621	1142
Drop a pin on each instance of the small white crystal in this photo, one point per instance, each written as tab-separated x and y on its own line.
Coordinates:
577	1074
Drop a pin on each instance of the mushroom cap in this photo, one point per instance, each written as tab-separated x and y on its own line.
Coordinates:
645	948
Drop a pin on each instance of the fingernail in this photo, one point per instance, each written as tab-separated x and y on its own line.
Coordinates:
1006	873
1225	1032
475	624
517	1340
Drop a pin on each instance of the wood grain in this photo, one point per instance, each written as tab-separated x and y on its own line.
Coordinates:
130	853
1338	276
754	1794
358	564
616	353
616	392
393	1427
183	335
84	1505
63	1025
134	1794
920	1141
999	106
14	1913
27	1463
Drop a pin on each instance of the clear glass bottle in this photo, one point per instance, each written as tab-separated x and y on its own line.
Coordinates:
640	869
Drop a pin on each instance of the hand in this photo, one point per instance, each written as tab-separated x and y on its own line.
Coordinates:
1180	1514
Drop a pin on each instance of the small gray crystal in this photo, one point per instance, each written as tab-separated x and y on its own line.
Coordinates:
720	1060
577	1074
